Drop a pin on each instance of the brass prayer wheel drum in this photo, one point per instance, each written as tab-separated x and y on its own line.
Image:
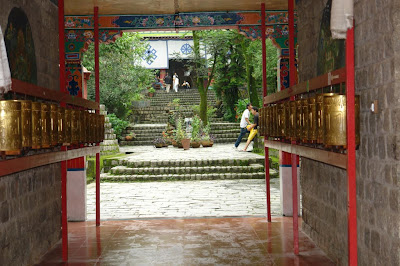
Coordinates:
46	125
26	123
102	120
320	116
68	129
312	119
292	120
36	125
87	126
10	127
287	120
280	119
92	117
274	120
82	122
304	120
75	126
61	125
54	124
299	114
334	111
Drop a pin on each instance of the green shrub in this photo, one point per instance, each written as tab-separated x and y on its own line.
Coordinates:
118	124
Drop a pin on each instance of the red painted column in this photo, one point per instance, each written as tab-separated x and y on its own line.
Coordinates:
61	49
264	80
97	88
351	150
292	79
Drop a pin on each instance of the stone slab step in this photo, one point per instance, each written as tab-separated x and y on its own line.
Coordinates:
210	176
123	170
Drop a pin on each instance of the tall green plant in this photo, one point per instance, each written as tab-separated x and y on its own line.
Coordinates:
117	124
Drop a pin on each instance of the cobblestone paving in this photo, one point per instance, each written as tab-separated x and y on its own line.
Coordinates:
208	198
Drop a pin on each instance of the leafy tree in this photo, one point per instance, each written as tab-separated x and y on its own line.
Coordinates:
121	76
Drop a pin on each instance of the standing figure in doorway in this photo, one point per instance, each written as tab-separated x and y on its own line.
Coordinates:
168	82
176	82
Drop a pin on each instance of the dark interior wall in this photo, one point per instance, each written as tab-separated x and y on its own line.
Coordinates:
43	19
324	188
30	201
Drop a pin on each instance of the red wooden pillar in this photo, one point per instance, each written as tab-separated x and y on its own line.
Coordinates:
351	150
264	69
97	88
61	48
292	80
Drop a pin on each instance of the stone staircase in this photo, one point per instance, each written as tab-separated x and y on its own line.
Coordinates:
189	169
152	120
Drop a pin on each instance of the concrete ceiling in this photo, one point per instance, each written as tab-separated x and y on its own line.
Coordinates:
150	7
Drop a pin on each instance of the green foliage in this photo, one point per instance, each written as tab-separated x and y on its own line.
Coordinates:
121	76
152	90
196	123
210	111
240	107
179	132
118	124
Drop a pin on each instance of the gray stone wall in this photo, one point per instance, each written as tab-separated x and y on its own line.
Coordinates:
324	188
30	216
30	201
43	18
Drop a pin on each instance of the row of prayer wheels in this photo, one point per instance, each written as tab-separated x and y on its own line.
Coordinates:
25	124
318	119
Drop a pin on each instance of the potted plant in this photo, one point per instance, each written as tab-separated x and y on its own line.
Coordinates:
195	139
158	142
130	136
151	92
180	136
207	140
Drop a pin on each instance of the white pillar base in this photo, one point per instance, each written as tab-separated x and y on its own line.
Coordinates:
76	195
285	175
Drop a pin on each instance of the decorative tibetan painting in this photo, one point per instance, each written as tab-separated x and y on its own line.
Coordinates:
331	53
20	47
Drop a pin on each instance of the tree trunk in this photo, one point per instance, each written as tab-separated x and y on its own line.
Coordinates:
203	106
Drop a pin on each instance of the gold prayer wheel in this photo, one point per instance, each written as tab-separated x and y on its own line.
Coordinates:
68	128
268	121
36	125
10	127
46	125
75	126
92	117
320	116
287	120
87	126
304	120
54	124
334	111
312	119
292	120
102	120
26	123
280	119
274	121
82	122
61	125
299	114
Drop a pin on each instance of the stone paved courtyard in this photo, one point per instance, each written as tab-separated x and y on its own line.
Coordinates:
207	198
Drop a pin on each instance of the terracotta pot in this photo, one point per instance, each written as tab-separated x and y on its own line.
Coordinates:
129	137
174	143
159	145
186	144
195	144
206	143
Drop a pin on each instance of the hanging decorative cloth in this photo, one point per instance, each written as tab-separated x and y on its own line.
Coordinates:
5	74
341	18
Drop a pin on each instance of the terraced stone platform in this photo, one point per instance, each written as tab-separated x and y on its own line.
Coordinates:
147	163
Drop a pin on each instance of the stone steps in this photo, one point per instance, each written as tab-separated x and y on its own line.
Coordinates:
123	170
190	169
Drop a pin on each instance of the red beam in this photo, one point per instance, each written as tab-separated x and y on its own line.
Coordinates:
264	80
292	81
11	166
22	87
97	87
351	150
